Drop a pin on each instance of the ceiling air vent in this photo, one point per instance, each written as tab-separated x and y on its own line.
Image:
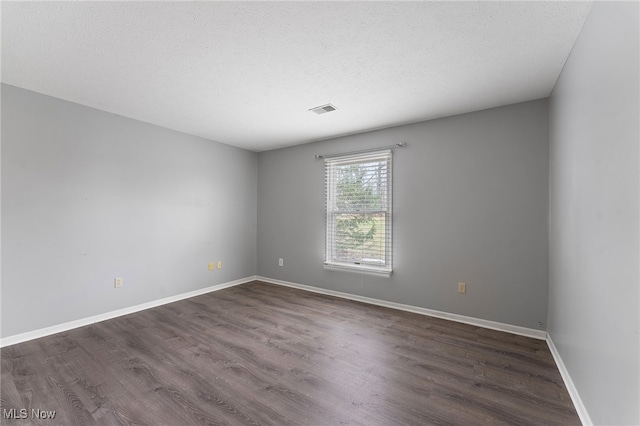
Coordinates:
323	109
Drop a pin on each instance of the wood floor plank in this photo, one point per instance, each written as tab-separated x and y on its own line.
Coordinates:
260	354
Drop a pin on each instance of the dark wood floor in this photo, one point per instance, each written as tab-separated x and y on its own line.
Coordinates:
265	354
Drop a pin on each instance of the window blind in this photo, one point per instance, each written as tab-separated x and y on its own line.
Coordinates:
358	212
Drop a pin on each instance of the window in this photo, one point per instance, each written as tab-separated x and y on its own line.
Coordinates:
358	201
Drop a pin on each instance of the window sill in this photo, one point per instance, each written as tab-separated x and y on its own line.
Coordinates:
358	269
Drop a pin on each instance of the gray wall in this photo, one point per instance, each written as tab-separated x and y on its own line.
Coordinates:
594	214
88	196
470	204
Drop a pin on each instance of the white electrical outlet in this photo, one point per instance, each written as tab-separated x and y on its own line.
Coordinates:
462	288
281	262
117	282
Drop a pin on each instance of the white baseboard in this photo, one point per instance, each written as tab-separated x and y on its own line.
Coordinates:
514	329
36	334
571	388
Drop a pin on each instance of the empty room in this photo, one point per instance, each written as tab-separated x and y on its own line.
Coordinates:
320	213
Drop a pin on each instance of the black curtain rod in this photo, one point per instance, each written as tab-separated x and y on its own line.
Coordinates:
400	144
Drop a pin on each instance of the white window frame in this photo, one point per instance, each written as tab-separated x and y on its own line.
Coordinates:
332	211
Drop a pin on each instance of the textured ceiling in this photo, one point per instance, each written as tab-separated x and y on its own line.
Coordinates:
246	73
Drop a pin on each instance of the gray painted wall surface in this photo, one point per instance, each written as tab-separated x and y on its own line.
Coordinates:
88	196
470	196
594	214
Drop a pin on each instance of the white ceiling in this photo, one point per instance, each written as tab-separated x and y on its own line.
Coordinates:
246	73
